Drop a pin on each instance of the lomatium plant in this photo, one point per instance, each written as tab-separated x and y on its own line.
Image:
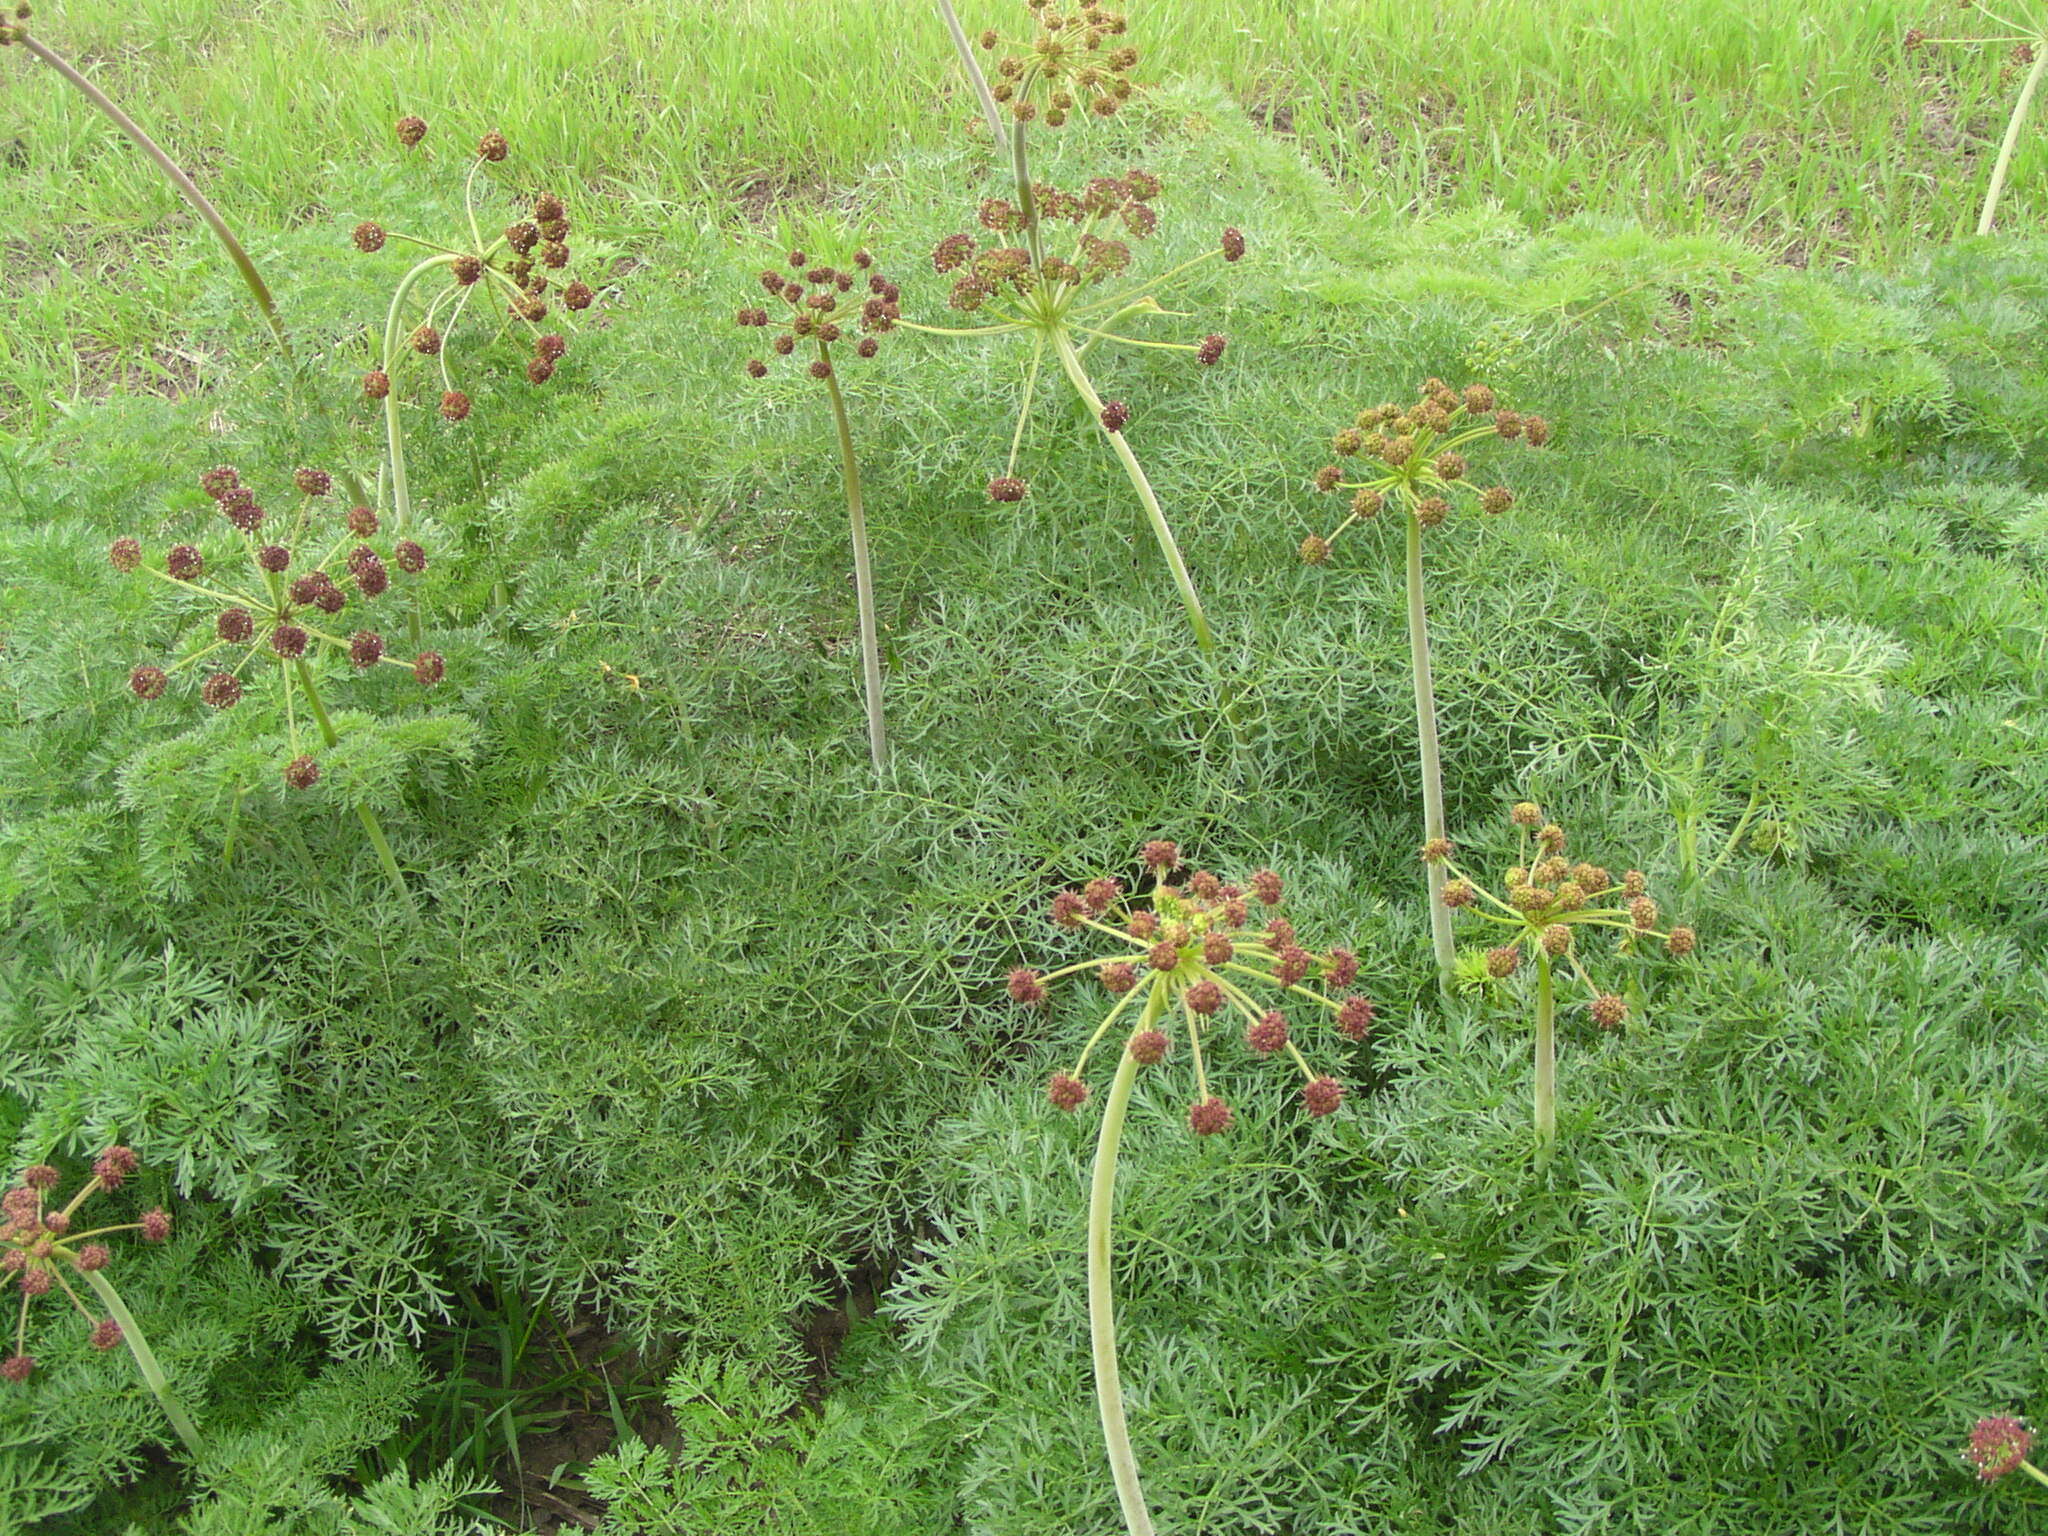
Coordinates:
1190	960
1999	1446
1412	459
1549	901
1068	289
808	297
514	270
42	1243
274	609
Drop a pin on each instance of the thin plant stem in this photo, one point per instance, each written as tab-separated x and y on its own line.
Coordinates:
394	436
863	577
1546	1055
258	289
2035	1473
371	826
147	1363
1440	935
1077	375
975	77
2012	137
1109	1392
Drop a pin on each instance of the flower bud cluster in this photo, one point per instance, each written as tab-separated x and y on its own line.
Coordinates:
1193	955
278	607
1414	457
519	269
41	1246
1547	898
820	304
1072	62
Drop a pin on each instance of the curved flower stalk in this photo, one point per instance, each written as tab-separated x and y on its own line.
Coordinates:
1189	962
1068	292
1999	1446
41	1244
512	269
1412	458
16	31
1549	899
277	611
811	291
2028	40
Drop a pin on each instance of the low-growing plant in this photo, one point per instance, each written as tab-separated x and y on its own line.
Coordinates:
1548	899
40	1243
513	265
15	31
1190	954
1410	458
812	291
277	613
1071	65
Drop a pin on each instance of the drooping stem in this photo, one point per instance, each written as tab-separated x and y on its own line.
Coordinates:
1546	1054
1109	1392
1440	935
258	289
146	1362
1077	375
394	438
863	577
372	828
2012	137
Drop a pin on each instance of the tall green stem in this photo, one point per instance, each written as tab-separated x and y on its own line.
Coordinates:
1109	1392
1077	375
1440	935
2012	136
146	1362
975	77
1546	1055
863	577
394	438
371	826
258	289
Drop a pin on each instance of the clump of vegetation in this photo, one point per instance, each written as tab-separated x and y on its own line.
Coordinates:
1189	956
1412	458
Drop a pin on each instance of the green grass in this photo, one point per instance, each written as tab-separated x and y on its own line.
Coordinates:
1804	130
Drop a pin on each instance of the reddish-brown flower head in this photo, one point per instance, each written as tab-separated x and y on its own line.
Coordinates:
376	384
114	1165
368	236
1355	1016
492	147
92	1256
1006	488
1682	942
1268	1034
428	668
184	562
124	554
1069	910
1321	1096
411	130
1163	956
106	1333
1118	978
1115	415
1997	1446
148	682
1266	886
455	405
1233	244
1148	1047
1066	1093
223	690
1203	997
302	772
1608	1010
17	1368
1026	986
1161	856
1209	1117
1210	352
